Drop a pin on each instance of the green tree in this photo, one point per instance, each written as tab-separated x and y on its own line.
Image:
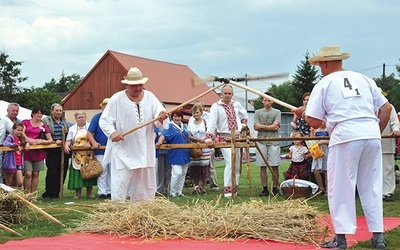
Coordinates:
9	77
398	68
52	92
292	91
391	85
282	92
38	96
304	79
64	85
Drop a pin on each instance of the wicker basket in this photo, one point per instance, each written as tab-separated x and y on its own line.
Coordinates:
294	192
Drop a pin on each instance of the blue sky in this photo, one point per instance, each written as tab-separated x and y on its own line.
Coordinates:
227	38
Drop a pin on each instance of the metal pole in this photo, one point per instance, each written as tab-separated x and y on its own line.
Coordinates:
383	76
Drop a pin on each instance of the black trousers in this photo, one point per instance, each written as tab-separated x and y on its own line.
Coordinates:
53	164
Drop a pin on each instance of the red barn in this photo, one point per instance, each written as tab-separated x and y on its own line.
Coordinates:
170	82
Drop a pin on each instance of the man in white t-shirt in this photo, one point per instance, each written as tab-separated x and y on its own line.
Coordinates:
349	102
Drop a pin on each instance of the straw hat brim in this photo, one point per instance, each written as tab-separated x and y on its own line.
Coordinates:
135	82
104	102
316	58
383	92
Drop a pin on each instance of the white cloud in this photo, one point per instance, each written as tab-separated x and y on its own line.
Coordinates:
61	33
224	38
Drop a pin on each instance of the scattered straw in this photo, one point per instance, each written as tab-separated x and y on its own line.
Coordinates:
285	221
12	210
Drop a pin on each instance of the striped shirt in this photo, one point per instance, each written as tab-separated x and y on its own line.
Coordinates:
57	133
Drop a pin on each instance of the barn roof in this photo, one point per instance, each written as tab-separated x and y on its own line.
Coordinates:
170	82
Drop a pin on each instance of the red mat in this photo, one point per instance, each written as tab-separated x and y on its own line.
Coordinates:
96	241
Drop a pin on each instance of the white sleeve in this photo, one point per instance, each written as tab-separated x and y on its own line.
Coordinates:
212	121
394	120
3	128
8	124
242	112
108	118
70	134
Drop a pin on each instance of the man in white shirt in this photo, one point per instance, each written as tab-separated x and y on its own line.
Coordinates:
8	121
388	151
349	102
132	156
2	136
227	114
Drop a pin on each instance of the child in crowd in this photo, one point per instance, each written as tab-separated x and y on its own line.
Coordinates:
298	153
13	164
319	166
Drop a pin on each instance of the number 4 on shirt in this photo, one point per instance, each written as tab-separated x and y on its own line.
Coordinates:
349	89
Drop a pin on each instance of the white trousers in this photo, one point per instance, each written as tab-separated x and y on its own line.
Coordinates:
139	184
350	164
178	175
226	153
104	180
388	175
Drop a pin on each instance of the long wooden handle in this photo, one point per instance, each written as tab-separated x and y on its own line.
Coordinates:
37	209
173	109
233	163
197	81
276	178
60	194
277	101
9	230
32	147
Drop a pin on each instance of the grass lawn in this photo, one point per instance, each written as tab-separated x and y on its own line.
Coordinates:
248	189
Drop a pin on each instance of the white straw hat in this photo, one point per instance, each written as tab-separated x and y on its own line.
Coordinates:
328	53
134	77
383	92
104	102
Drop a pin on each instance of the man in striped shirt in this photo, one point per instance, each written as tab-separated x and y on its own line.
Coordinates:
56	124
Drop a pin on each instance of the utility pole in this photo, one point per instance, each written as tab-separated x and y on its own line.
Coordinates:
383	76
